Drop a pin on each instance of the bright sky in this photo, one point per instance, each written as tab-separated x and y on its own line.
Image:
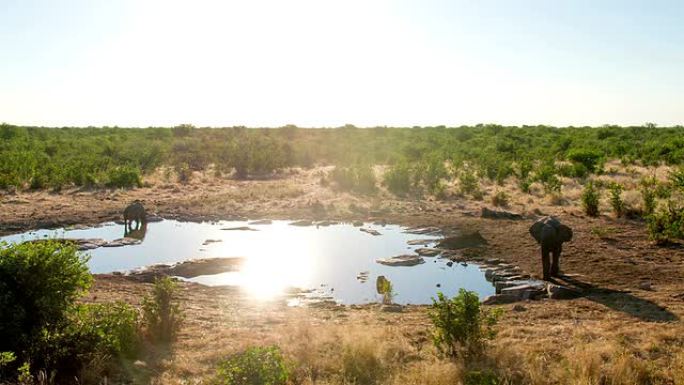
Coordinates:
327	63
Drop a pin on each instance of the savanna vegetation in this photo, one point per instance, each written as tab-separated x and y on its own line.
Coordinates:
407	162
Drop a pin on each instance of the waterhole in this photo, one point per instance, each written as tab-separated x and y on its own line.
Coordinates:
336	261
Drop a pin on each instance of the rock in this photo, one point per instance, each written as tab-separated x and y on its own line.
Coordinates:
357	223
499	214
425	242
525	291
500	286
461	241
77	227
562	292
428	252
500	299
326	223
261	222
370	231
439	285
646	286
153	218
123	242
519	308
393	308
493	261
449	263
401	260
301	223
423	230
140	364
210	241
239	228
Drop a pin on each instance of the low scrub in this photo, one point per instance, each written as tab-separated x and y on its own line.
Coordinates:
162	315
359	178
253	366
590	200
667	224
461	325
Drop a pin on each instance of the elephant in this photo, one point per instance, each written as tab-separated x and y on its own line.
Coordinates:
550	234
134	212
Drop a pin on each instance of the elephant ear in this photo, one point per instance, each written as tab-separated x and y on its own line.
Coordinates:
536	231
564	233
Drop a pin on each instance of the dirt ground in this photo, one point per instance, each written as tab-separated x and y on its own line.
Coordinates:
634	289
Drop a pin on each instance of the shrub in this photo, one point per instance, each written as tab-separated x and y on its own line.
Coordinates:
500	199
676	178
667	224
359	178
461	326
124	176
254	366
184	173
616	199
362	366
106	328
589	158
162	315
39	281
524	185
468	182
648	195
398	179
590	200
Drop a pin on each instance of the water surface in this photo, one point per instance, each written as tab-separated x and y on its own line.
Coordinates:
330	260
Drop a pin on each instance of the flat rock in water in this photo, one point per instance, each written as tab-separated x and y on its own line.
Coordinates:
239	228
416	242
401	260
423	230
210	241
261	222
428	252
301	223
462	241
326	223
370	231
357	223
499	214
123	242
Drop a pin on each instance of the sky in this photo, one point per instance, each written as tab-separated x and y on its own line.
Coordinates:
325	63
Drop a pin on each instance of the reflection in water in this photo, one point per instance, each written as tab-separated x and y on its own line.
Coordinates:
336	261
138	232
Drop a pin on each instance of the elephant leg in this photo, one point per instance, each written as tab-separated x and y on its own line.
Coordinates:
555	265
546	263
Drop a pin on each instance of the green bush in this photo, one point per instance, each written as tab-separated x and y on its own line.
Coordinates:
589	158
676	178
524	185
162	315
468	182
106	328
648	195
124	176
359	178
254	366
398	179
616	201
500	199
667	224
461	325
39	282
590	200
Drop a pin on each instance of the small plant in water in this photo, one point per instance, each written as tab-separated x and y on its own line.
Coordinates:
161	312
253	366
461	326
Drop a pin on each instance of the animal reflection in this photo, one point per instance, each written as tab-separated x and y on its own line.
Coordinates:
137	233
